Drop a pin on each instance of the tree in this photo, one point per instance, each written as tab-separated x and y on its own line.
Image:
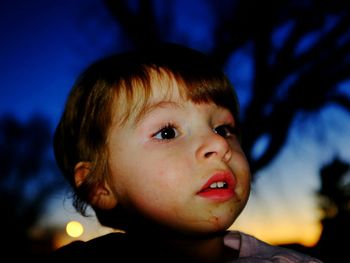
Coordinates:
294	72
27	181
335	202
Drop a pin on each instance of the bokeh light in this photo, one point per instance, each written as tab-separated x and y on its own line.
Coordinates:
74	229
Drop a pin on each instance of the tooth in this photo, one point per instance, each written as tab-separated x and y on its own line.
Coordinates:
220	184
214	185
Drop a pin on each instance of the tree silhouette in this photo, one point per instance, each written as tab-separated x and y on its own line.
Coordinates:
335	202
27	181
293	74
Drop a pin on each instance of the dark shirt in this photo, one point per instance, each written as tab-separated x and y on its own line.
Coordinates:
120	247
117	247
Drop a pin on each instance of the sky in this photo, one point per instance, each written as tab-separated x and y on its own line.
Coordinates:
45	44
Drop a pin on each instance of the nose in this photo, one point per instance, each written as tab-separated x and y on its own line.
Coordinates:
213	145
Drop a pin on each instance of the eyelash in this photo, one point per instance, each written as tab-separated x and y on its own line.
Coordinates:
167	127
230	130
224	130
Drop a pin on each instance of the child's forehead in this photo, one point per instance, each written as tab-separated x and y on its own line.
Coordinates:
162	87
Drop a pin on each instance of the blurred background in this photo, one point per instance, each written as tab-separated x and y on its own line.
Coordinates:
288	60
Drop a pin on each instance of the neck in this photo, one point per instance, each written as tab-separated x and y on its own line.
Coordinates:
165	243
209	249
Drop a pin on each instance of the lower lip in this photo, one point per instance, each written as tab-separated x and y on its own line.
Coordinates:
219	195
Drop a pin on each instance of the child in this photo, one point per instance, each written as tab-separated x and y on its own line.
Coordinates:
150	140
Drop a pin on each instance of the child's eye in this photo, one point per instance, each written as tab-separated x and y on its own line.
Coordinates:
166	133
225	130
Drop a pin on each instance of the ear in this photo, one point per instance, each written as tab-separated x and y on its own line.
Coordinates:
102	195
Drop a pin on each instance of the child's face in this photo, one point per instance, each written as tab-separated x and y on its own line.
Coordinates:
164	163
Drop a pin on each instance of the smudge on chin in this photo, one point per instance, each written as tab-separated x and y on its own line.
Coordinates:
214	220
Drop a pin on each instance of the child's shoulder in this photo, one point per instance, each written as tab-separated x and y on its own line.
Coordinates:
101	247
254	250
119	246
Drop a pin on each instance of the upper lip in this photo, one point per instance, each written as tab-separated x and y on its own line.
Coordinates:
221	176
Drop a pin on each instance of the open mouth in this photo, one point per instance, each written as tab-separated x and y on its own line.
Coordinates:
219	187
216	185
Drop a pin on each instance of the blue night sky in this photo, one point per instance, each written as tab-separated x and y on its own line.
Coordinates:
45	44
